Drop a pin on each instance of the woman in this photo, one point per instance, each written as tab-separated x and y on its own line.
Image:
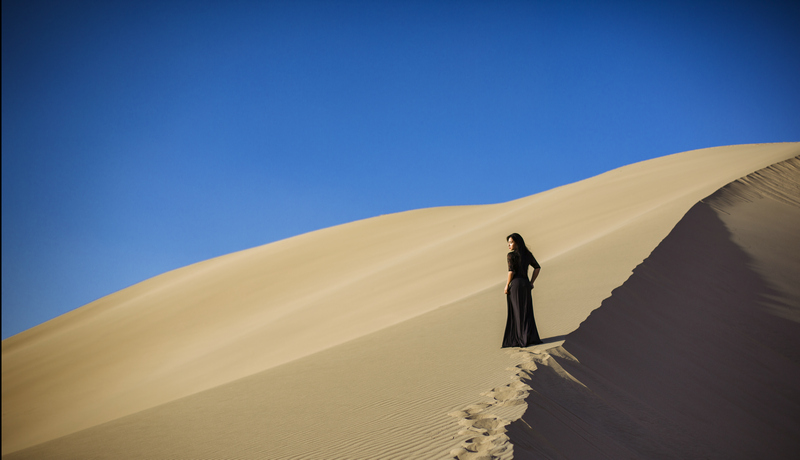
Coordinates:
520	326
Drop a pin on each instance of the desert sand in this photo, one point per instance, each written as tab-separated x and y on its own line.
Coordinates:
697	354
380	338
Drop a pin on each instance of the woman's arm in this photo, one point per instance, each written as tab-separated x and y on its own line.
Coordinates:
535	275
536	269
508	281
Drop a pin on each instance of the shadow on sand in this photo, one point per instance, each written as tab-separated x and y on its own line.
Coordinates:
683	360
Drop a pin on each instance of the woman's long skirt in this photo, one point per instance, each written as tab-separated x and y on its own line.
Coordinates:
520	325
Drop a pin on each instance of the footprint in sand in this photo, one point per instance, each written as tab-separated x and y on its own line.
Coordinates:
486	430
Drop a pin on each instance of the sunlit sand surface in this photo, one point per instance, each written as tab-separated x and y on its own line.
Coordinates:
380	338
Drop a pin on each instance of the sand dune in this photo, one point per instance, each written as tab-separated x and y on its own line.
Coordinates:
373	339
697	354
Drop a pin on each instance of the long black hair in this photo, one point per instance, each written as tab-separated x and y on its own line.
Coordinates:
521	248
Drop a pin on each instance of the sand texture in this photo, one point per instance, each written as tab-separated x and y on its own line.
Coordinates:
697	354
380	338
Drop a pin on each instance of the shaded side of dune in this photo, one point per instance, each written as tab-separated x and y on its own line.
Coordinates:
697	354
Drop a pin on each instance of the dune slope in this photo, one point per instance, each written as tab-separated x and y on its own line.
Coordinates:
697	354
385	325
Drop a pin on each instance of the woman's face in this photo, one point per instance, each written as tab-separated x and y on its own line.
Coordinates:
512	245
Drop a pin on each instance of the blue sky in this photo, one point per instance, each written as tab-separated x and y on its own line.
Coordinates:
139	137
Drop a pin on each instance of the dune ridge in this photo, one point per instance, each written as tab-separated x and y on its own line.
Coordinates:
697	354
149	371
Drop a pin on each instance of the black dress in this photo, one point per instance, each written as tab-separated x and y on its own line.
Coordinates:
520	326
